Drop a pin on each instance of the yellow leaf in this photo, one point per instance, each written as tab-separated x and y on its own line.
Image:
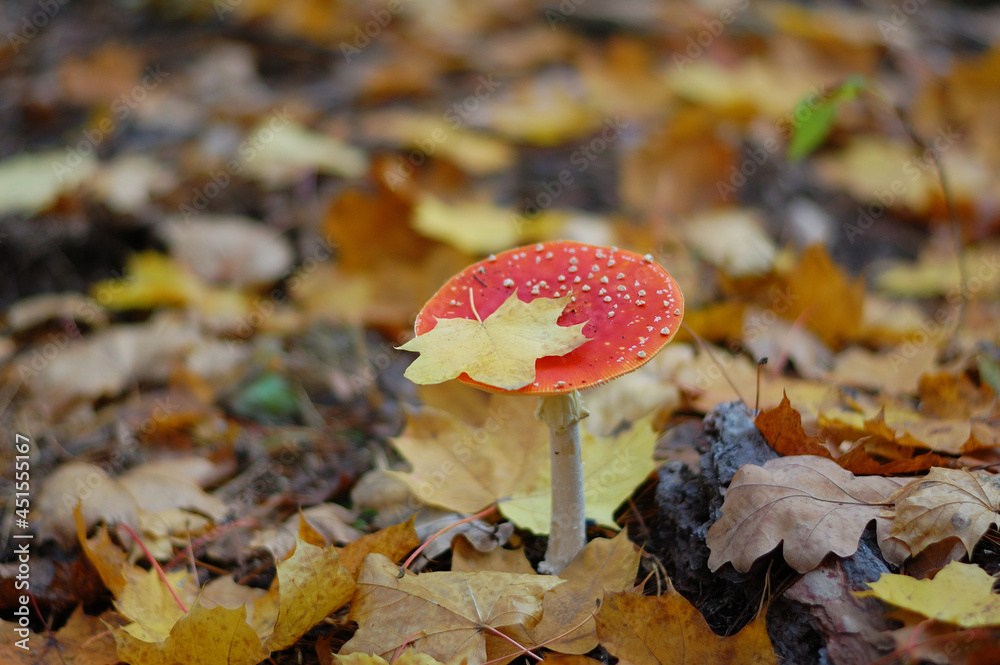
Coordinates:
960	594
202	636
311	583
500	351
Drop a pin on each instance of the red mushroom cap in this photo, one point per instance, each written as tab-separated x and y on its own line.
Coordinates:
631	306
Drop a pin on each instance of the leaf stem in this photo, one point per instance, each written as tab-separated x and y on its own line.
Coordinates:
156	566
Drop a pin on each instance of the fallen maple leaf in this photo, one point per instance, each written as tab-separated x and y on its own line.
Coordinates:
667	629
445	615
311	583
808	502
960	594
604	566
393	542
946	503
202	636
500	351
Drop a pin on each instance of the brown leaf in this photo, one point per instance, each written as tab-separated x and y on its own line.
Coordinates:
83	640
945	503
444	615
861	460
101	497
603	566
465	558
820	291
782	428
668	630
808	502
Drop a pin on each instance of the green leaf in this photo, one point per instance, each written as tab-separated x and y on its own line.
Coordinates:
817	121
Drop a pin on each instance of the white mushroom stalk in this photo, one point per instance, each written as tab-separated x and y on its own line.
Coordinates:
568	532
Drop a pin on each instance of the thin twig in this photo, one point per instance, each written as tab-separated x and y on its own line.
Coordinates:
156	566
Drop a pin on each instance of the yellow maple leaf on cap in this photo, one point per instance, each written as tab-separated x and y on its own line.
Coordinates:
499	351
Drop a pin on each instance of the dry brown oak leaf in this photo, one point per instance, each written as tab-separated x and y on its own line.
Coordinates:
500	351
946	503
669	630
806	502
448	616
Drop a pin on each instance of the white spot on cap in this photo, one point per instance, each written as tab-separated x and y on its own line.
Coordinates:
602	292
648	258
576	280
595	268
481	270
560	384
641	354
611	262
599	254
586	287
622	287
572	269
607	298
664	331
534	290
508	282
539	247
640	303
610	314
621	275
642	292
677	312
573	260
604	280
548	255
491	257
561	278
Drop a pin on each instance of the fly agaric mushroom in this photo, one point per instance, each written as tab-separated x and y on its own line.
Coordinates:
629	308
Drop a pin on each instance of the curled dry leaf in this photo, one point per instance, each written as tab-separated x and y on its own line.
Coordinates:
946	503
451	614
657	630
408	657
809	503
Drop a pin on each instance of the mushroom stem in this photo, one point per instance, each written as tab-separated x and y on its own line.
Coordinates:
568	535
